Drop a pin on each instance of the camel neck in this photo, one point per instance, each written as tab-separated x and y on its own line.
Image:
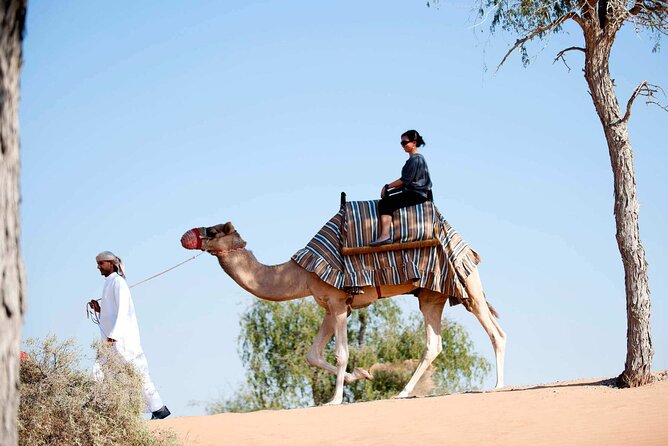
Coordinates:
275	283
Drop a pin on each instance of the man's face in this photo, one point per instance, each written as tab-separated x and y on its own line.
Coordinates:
106	267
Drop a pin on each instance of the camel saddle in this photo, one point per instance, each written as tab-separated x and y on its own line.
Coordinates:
438	259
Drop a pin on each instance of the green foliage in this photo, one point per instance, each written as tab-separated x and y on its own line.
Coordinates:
523	18
62	405
241	401
274	341
275	338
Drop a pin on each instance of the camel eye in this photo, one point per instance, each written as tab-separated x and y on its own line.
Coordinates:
214	231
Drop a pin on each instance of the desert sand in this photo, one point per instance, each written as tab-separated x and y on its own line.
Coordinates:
588	412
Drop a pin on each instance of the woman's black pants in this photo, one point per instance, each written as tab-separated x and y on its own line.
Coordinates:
402	199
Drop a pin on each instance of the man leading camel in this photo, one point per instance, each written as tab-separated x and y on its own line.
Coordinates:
118	326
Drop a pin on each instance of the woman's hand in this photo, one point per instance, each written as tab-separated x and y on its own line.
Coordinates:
393	184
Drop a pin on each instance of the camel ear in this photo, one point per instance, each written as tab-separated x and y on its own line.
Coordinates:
228	228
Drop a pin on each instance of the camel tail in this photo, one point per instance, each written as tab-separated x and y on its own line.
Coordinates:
493	310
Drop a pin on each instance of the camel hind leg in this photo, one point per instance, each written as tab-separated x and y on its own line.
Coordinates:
431	306
486	316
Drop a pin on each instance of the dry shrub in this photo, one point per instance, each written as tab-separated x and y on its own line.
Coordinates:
62	405
401	372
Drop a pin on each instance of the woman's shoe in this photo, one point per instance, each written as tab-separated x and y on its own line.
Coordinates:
387	241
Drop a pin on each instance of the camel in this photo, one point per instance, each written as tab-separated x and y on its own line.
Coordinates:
287	281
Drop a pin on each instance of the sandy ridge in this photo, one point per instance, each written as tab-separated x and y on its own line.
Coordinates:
588	412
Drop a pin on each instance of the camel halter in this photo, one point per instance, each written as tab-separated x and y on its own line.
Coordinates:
193	240
227	251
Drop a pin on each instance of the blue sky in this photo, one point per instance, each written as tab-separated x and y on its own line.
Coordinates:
142	120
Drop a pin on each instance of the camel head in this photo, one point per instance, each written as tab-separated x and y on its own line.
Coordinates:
217	239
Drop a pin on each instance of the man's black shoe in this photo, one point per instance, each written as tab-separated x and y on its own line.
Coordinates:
161	413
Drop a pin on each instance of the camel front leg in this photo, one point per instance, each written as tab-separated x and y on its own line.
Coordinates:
481	311
431	306
339	312
316	356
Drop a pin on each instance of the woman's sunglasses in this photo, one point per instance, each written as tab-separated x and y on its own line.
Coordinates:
403	143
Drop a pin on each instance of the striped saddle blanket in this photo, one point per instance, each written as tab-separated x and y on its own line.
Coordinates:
442	267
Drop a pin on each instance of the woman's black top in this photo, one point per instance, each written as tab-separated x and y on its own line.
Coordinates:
415	175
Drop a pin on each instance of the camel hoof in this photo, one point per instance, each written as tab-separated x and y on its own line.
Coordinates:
357	374
334	402
403	394
192	239
361	373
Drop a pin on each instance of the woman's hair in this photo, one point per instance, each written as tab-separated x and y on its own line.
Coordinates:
413	135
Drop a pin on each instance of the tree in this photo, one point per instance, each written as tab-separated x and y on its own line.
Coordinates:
599	21
12	278
276	336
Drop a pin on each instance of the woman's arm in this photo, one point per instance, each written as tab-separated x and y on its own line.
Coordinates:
392	185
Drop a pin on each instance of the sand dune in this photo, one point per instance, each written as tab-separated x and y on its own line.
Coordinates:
588	412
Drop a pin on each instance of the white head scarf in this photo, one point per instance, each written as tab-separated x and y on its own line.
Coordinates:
110	256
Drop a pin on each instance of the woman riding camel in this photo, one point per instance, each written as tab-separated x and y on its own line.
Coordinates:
414	186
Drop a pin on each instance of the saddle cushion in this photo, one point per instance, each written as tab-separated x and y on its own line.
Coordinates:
442	268
361	223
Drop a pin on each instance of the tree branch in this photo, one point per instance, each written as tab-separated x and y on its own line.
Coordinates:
560	55
650	13
647	90
588	7
539	30
648	6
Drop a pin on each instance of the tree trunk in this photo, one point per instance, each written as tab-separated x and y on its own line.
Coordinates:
361	335
639	352
12	279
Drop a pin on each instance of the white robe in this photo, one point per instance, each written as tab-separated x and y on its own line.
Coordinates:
118	321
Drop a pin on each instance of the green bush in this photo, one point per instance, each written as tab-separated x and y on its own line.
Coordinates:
276	336
62	405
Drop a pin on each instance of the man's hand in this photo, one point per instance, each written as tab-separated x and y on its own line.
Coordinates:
94	305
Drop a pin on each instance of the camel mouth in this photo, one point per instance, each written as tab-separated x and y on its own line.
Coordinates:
192	239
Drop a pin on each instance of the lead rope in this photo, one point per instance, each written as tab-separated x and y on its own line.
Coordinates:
168	270
93	307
